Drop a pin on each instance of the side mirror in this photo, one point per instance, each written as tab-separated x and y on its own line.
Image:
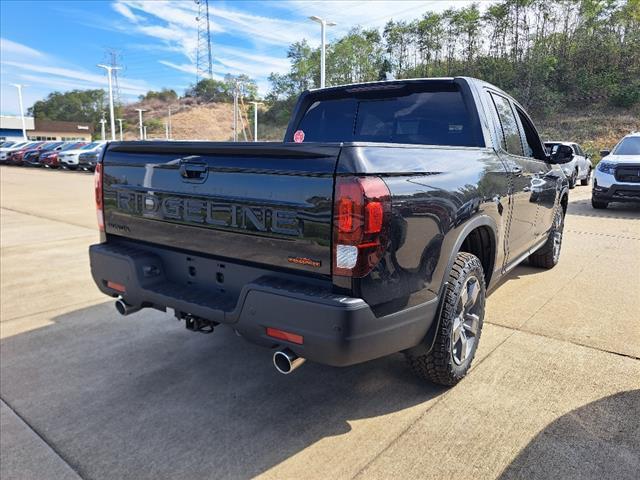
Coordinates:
561	154
604	153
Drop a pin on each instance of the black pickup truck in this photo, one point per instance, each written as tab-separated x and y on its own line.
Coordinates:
376	227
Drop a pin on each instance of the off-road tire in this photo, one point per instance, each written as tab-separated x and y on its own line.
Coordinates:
599	204
547	256
438	365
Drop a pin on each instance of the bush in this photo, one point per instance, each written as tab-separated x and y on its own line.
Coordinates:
626	95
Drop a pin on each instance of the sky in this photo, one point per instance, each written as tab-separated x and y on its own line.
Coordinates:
56	45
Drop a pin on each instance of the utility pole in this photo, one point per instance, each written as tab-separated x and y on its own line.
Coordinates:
120	122
140	110
145	132
255	120
112	114
102	128
323	26
204	59
166	130
24	125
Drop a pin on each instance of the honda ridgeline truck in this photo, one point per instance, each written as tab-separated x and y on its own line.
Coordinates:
376	227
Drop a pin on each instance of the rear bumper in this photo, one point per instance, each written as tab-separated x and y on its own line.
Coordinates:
337	330
626	192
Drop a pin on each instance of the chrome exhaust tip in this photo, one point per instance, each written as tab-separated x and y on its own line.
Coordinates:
286	361
124	308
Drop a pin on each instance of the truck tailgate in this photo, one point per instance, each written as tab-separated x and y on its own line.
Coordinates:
263	203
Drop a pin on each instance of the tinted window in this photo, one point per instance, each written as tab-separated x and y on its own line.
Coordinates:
511	140
628	146
430	118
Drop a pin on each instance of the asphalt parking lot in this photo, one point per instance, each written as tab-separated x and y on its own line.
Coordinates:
86	393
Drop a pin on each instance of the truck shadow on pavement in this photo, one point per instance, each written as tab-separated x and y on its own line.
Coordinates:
598	440
141	397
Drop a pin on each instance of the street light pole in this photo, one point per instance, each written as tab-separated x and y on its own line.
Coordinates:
120	123
255	120
102	129
169	122
140	110
24	125
323	25
109	70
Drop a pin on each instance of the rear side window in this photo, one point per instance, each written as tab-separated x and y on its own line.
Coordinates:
429	118
511	134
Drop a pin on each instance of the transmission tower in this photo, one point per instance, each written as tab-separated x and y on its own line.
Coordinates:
111	59
204	62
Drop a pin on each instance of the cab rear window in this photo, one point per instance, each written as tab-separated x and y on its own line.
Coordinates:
429	118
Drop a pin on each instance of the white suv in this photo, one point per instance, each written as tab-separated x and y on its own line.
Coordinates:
579	168
70	158
617	177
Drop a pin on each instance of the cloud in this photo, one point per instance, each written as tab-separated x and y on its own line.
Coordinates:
260	29
122	9
174	25
184	67
82	78
12	49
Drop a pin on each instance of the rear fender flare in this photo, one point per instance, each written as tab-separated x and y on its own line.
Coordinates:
478	221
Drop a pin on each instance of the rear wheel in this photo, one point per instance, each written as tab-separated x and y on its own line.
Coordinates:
459	328
585	181
599	204
549	254
573	179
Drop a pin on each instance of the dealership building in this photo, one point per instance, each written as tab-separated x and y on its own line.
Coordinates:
11	129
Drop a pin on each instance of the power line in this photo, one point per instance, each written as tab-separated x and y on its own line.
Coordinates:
204	62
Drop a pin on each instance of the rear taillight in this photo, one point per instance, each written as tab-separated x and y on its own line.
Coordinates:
99	203
360	226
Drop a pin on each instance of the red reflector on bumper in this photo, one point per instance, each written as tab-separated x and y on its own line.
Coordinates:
282	335
116	286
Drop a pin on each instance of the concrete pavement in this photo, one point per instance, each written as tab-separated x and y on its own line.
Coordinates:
554	392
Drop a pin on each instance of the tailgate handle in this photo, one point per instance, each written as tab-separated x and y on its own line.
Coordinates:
194	172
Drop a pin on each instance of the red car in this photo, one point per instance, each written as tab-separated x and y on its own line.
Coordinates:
51	160
17	157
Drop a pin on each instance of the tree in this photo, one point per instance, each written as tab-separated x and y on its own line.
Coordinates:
73	106
165	95
210	90
548	54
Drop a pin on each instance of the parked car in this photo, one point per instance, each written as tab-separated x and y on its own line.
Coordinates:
50	159
617	177
376	227
580	166
71	158
5	152
31	158
16	157
6	144
87	161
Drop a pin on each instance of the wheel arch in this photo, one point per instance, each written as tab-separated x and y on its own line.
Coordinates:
480	227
